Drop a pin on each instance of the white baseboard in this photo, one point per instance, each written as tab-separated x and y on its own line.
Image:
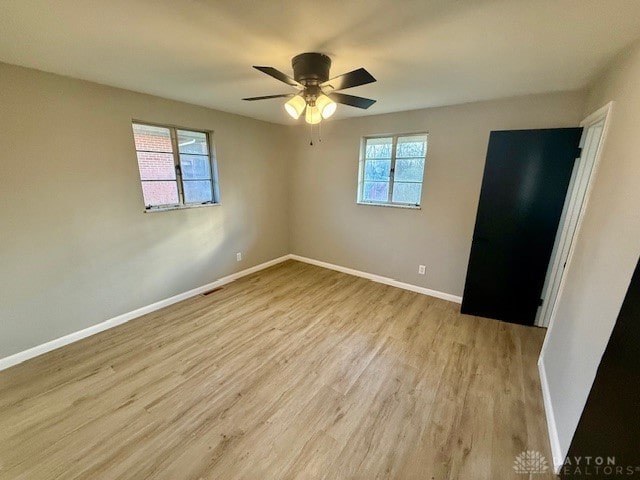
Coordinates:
379	279
25	355
20	357
554	440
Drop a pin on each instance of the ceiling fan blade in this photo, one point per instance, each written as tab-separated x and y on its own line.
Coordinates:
266	97
278	75
354	78
351	100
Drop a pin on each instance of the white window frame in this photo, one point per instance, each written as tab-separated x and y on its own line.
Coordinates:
392	181
173	131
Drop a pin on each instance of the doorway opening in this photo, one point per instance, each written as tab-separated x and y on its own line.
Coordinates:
584	170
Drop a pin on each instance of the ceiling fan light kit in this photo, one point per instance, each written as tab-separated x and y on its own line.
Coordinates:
295	106
326	106
317	96
312	115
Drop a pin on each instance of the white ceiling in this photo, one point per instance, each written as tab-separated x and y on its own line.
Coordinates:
424	53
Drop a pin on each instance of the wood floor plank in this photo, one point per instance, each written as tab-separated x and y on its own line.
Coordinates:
295	372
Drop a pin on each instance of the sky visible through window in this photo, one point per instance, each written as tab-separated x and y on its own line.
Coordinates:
394	169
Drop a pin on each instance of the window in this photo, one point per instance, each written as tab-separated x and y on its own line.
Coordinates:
392	170
176	167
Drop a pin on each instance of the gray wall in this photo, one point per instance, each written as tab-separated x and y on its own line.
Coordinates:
75	246
604	255
328	225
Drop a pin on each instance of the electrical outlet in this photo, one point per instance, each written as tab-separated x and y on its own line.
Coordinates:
422	269
239	256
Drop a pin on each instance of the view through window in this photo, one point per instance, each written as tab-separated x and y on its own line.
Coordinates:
392	169
176	167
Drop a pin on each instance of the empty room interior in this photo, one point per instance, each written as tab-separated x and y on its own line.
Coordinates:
319	240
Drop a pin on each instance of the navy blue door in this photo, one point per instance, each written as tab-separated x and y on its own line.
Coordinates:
526	176
609	423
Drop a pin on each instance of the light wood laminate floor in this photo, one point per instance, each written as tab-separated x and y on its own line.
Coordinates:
293	372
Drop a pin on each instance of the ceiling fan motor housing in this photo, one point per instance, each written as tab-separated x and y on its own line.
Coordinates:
311	68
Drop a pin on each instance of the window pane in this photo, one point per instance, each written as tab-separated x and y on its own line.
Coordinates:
406	192
156	166
195	167
192	142
153	139
197	191
378	147
377	170
160	193
375	192
409	169
411	146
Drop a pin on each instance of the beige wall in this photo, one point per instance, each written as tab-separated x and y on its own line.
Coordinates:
604	255
327	225
75	246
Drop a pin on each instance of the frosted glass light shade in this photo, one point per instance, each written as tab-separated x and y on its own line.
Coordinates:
295	106
326	106
313	115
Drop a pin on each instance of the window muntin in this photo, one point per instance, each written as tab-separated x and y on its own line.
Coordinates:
392	169
176	166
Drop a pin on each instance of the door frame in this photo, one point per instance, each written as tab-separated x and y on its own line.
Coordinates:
562	256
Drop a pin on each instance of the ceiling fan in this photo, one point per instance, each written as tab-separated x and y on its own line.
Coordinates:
317	94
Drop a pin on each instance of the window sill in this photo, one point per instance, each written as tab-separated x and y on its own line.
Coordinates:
392	205
180	207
